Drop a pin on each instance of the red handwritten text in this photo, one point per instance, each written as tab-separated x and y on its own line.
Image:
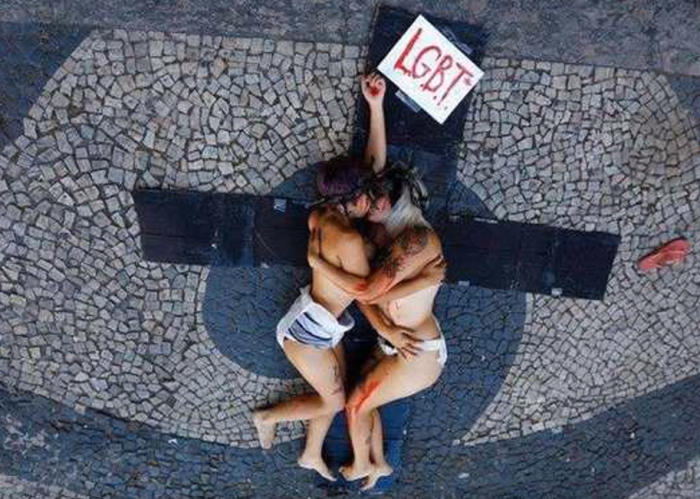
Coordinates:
437	71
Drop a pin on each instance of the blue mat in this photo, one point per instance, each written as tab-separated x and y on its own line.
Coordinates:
337	450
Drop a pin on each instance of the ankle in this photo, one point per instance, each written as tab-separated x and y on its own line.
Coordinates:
362	465
309	455
262	415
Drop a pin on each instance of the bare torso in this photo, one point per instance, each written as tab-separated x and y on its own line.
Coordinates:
323	291
415	311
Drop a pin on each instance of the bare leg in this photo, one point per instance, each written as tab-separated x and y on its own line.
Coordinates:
376	449
318	367
360	426
311	458
393	378
318	428
376	453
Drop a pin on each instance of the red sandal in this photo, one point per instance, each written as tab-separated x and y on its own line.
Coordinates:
671	252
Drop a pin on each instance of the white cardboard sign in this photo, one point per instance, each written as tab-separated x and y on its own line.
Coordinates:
428	68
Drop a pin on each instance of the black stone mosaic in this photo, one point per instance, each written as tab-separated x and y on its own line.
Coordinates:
30	53
688	90
650	34
608	456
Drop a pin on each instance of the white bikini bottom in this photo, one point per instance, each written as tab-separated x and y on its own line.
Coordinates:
437	345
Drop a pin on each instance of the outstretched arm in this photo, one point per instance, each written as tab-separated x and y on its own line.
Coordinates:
374	89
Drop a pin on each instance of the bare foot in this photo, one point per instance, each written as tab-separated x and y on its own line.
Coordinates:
352	472
316	464
380	470
266	431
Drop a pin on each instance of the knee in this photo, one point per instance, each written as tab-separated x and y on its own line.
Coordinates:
336	402
353	406
359	402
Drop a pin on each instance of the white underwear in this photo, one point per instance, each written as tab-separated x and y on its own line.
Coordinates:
309	323
437	345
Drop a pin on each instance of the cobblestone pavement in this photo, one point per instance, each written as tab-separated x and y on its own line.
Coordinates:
644	34
118	375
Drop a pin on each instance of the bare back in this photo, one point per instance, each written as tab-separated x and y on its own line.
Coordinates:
338	238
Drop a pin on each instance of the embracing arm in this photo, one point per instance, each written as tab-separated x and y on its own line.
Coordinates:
403	339
413	249
432	275
404	289
352	284
348	247
376	318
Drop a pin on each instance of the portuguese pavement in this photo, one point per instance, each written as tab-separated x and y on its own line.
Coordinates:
124	378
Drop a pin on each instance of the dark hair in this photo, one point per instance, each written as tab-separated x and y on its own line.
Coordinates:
343	177
394	180
391	186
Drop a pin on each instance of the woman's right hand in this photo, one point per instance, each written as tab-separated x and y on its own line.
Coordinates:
404	340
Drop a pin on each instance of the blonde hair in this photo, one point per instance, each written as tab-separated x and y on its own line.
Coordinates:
404	214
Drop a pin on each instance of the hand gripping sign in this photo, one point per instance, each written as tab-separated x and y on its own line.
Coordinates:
428	68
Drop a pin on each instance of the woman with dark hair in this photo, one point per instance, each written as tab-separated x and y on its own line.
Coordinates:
311	331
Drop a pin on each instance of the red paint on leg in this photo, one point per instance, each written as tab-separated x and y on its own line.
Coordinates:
349	415
365	392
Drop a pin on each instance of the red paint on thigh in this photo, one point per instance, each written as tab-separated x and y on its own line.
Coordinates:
365	391
349	415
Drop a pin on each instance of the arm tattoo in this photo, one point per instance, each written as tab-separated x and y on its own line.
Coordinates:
412	242
337	380
393	266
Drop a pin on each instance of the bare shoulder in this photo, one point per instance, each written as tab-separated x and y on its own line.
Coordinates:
345	237
418	239
324	219
316	217
336	232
